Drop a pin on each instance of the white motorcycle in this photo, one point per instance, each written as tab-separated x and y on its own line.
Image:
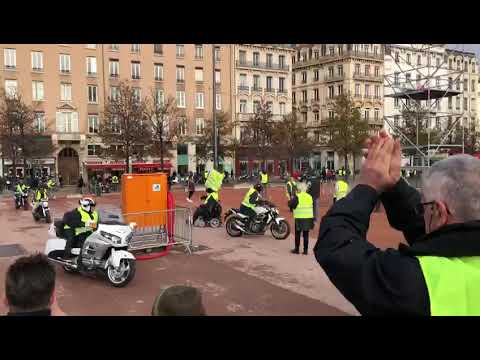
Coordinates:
42	211
104	251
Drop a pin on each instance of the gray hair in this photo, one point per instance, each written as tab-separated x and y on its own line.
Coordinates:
301	186
456	181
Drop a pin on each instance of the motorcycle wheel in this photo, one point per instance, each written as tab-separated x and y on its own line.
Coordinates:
230	227
121	277
280	231
48	217
69	269
25	205
214	223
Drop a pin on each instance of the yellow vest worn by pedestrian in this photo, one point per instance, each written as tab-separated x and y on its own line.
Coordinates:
85	218
304	209
453	284
114	180
342	189
214	180
264	178
246	198
213	195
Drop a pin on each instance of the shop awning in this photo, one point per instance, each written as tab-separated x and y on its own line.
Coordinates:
121	166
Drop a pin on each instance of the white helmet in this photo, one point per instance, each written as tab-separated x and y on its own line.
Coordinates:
87	203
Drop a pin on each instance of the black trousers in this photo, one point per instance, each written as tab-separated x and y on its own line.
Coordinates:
190	194
202	211
305	240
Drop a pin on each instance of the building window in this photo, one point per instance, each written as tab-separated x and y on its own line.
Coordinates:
67	122
199	103
183	126
331	50
408	59
114	67
93	124
316	75
472	104
419	59
315	94
39	124
160	97
450	103
180	73
37	90
91	46
331	71
65	92
256	59
269	83
218	77
397	56
438	62
135	65
218	102
114	47
180	50
65	63
457	104
367	70
465	103
94	150
294	97
305	117
367	90
408	77
340	50
137	93
37	60
450	83
217	53
357	69
396	118
281	61
282	108
304	96
293	79
92	94
331	114
243	106
199	74
10	58
135	48
396	103
199	126
242	57
180	99
243	80
376	115
377	91
340	89
396	78
91	65
316	117
158	49
256	82
465	84
340	70
377	71
357	90
114	93
198	51
367	114
158	72
457	84
472	88
331	92
474	66
269	61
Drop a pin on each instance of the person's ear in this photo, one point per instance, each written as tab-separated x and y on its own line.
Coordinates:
441	212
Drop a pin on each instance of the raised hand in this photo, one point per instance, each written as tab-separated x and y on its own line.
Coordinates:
375	171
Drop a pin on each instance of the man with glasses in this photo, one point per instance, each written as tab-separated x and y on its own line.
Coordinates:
438	272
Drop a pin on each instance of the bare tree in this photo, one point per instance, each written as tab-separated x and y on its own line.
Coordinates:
346	131
257	135
291	138
124	126
163	117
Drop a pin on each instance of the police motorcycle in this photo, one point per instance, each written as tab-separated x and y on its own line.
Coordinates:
42	211
21	200
104	252
267	216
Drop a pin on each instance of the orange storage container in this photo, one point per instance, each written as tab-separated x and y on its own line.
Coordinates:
144	199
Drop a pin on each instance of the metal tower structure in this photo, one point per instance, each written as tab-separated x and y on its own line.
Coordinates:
425	78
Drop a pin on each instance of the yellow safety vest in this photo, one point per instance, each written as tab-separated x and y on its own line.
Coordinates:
304	209
214	195
452	284
85	217
214	180
292	185
246	199
39	195
114	180
50	184
342	190
264	178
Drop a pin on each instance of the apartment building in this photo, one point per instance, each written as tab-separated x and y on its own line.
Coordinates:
261	72
323	71
68	85
450	76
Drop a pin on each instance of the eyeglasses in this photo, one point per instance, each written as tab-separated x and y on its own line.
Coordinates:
420	208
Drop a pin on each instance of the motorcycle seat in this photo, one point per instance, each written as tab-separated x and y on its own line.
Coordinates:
75	251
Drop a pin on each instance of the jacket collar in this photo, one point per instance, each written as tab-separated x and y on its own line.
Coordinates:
455	240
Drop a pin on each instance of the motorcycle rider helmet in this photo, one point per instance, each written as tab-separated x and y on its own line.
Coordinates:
258	187
87	203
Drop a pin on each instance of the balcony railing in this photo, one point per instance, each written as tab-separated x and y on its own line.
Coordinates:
256	88
335	77
363	76
243	88
270	90
282	91
261	65
328	57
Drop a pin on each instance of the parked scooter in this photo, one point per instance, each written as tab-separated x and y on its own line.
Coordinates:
104	252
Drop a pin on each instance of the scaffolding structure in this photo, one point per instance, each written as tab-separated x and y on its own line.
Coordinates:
421	87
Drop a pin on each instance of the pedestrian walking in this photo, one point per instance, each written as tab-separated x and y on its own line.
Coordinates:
302	205
264	182
190	188
80	184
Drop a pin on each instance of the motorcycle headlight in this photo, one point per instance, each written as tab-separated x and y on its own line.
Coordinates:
113	238
45	204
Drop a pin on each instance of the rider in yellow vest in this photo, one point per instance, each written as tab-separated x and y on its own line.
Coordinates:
341	189
210	208
79	224
251	199
302	205
40	195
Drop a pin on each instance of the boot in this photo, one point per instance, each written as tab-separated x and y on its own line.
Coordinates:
295	251
305	252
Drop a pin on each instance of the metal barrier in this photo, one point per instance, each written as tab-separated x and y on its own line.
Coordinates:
161	228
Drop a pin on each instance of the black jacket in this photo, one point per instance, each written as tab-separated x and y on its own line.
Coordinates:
386	282
314	188
74	219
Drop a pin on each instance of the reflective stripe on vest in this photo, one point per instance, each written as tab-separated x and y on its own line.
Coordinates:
292	186
304	209
342	190
213	195
85	217
264	178
39	195
453	284
214	180
114	180
246	199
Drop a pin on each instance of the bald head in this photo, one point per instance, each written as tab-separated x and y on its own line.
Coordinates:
456	181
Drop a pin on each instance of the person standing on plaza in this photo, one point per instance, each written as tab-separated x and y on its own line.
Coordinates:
264	182
314	191
291	188
302	205
80	184
190	188
341	189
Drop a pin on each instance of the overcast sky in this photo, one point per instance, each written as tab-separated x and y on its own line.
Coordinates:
466	47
